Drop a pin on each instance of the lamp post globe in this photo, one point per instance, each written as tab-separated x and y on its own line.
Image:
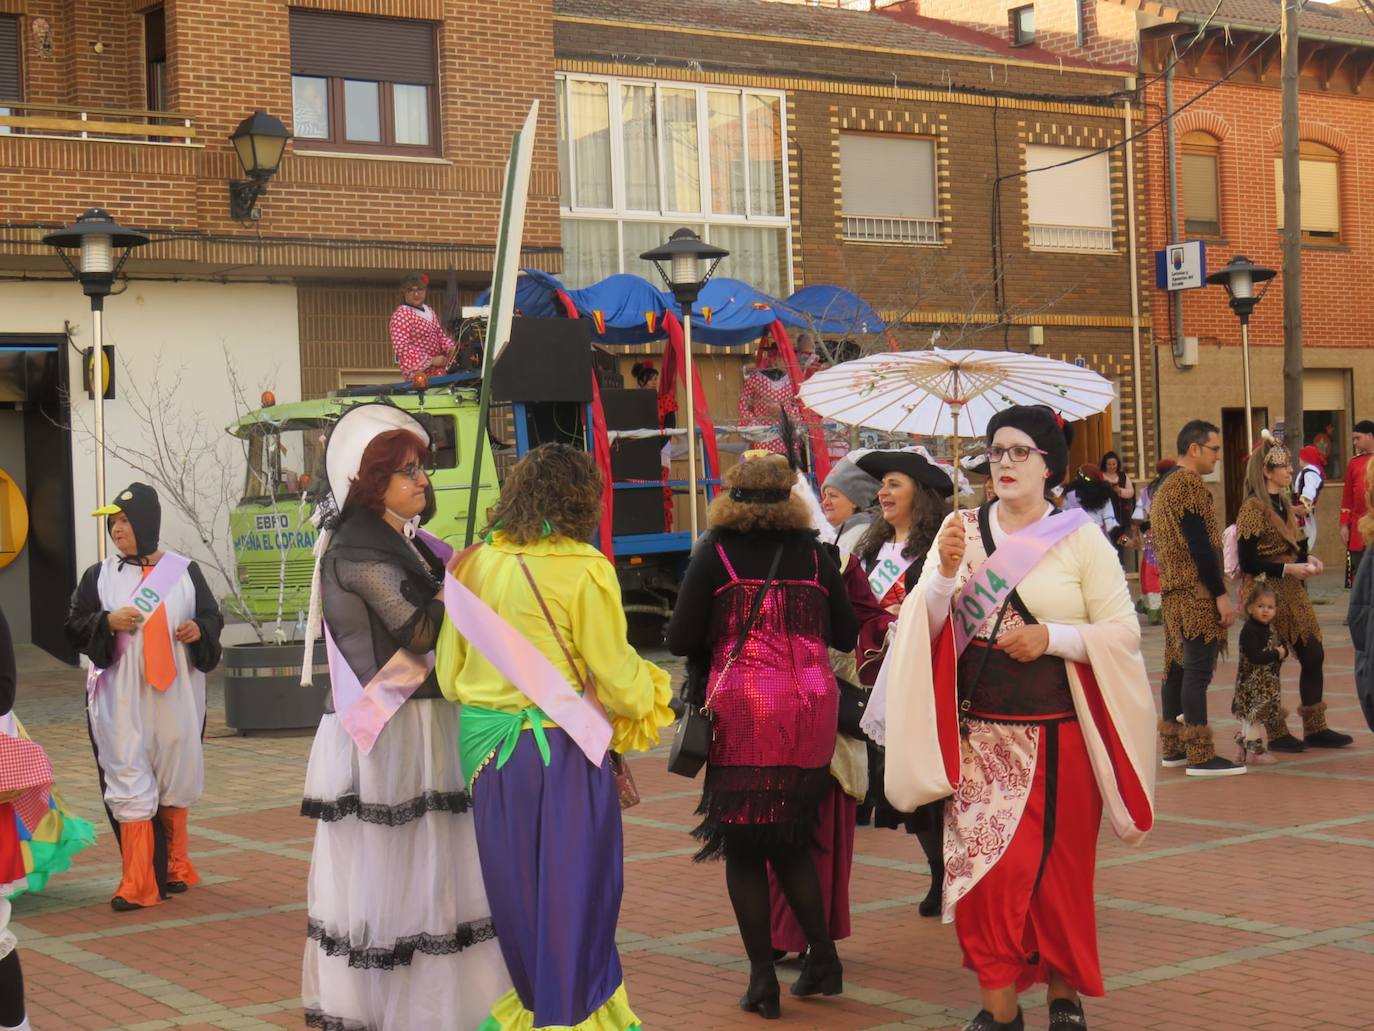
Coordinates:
259	141
1239	277
684	254
97	237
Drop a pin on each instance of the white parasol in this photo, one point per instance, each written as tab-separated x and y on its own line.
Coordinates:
950	393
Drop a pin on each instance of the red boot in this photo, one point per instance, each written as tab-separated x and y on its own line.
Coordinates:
138	886
180	873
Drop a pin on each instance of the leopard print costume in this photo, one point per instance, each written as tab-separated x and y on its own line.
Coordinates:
1189	609
1296	620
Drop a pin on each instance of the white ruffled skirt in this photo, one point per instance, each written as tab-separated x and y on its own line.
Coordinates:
400	934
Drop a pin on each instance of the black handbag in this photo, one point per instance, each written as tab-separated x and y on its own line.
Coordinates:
853	705
692	742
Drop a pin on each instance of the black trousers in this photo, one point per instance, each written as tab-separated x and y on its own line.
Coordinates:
1185	684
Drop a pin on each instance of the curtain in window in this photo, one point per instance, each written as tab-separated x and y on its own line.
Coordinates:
565	197
589	105
764	116
726	152
410	106
757	256
681	150
640	142
888	175
590	251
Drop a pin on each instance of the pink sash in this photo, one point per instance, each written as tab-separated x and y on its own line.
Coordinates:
147	596
527	668
365	711
993	581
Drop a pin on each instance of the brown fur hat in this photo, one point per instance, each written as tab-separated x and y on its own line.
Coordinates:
757	495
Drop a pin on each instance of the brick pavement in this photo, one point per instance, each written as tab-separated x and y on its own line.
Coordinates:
1249	907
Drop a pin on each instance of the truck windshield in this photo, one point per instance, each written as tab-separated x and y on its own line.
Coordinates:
285	460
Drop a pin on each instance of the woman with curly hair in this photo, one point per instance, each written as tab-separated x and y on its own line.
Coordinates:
887	560
547	813
764	598
1271	545
399	931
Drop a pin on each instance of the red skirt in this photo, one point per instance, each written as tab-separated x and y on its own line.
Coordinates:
11	857
1149	578
1033	913
833	853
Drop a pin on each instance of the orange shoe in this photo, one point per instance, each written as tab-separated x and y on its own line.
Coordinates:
138	886
180	873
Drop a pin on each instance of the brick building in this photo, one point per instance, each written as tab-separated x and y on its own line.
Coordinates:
401	112
871	151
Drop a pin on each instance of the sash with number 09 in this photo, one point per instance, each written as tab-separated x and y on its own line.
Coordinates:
146	596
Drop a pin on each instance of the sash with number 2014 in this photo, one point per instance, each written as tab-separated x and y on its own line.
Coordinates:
992	582
147	597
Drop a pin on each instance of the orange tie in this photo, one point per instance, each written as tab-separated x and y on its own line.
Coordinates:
159	667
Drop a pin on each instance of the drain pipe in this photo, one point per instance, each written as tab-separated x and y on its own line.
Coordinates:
1171	150
1134	265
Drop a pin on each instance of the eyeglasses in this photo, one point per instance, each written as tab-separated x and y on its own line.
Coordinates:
1214	448
412	471
1017	453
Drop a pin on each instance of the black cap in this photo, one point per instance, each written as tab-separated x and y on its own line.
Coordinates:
139	504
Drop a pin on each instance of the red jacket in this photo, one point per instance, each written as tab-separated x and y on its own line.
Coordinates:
1353	504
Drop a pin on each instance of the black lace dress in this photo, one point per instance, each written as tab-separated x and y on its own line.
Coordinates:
400	934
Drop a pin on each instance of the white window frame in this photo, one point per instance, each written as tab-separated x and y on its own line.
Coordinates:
671	220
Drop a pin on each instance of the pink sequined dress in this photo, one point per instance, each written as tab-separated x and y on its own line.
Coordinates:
775	712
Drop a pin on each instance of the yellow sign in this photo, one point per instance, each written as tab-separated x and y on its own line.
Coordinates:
106	370
14	519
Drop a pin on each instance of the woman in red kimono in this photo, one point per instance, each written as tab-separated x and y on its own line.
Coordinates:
1015	691
887	560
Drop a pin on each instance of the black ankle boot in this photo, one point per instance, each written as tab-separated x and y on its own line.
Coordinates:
821	973
933	903
1067	1015
763	996
984	1022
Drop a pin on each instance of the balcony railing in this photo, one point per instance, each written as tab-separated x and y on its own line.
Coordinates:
1070	238
889	229
61	121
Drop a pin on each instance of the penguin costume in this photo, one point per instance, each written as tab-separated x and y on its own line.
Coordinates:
150	625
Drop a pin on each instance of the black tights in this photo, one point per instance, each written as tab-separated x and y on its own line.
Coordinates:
11	991
746	878
1310	656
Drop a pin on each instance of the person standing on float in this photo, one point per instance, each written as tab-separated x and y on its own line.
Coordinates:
150	625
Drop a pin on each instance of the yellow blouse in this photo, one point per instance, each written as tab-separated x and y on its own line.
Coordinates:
582	593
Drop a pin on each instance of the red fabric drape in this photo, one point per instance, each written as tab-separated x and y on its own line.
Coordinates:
674	360
820	452
601	452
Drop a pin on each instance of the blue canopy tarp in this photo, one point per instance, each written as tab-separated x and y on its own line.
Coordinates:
730	313
832	310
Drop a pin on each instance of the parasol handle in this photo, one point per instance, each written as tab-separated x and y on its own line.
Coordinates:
954	413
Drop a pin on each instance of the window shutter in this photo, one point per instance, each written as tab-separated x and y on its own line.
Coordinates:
889	176
1321	195
1071	195
1323	390
355	46
1200	187
9	58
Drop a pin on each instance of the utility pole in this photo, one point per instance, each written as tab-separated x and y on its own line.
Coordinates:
1292	232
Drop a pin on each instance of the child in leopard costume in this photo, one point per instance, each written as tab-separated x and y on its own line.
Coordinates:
1256	702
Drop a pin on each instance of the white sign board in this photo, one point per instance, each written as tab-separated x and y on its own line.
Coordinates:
1181	266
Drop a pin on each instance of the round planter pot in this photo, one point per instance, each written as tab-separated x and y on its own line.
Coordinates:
262	688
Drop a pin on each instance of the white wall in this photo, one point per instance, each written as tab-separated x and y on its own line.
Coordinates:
172	336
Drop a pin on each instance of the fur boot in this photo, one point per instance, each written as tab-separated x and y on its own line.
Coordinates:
1197	743
1316	733
1171	751
1276	729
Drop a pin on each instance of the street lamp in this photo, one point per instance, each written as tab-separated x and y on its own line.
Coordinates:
97	235
684	253
259	141
1239	278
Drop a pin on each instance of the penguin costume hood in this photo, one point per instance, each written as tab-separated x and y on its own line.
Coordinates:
138	503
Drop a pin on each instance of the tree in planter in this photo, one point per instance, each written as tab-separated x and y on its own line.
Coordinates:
196	470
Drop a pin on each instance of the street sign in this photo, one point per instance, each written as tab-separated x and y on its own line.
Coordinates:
1181	266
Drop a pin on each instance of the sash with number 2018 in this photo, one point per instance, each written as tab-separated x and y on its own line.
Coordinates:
886	573
147	597
992	582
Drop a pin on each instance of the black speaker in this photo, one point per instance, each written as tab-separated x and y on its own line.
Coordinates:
640	509
546	360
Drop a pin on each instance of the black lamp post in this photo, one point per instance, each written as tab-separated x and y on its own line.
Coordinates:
259	141
1239	279
97	236
684	254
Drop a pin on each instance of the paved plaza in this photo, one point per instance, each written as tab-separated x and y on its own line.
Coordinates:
1250	906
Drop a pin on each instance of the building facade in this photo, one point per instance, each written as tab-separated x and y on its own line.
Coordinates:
401	113
975	194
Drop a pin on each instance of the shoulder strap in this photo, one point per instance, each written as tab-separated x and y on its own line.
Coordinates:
548	617
725	561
